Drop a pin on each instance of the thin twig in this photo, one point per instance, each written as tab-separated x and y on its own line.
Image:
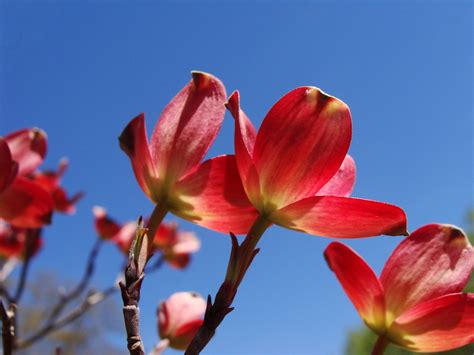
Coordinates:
8	327
91	300
65	299
134	274
31	238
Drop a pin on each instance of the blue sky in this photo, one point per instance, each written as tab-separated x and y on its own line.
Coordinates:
82	71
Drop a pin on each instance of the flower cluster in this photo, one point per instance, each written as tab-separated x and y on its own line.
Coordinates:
295	172
28	196
174	245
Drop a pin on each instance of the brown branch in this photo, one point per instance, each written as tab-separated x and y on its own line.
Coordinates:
134	274
65	299
241	257
8	327
91	300
31	238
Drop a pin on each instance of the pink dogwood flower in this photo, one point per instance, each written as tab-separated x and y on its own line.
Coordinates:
23	203
176	246
169	168
416	303
179	318
296	172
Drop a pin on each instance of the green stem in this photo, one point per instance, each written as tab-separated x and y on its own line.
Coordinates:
380	345
159	213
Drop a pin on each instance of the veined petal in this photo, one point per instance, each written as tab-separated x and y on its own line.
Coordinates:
360	284
28	148
300	146
244	141
187	127
342	183
134	142
341	217
434	260
8	167
26	204
440	324
213	196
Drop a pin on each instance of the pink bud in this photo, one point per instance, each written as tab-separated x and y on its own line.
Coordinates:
179	318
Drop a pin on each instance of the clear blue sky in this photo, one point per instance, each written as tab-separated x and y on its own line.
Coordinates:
82	71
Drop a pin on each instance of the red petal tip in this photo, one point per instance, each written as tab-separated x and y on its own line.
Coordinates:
126	139
233	103
201	79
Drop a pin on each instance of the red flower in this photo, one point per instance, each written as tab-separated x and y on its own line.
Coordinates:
179	318
176	246
296	171
50	180
13	242
23	203
417	302
169	169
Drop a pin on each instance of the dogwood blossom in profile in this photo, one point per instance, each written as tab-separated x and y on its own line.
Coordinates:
417	302
179	318
23	203
176	246
169	168
296	172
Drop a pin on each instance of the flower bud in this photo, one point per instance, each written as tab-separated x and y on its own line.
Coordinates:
179	318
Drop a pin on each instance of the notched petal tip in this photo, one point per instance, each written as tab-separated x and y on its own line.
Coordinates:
201	79
233	103
455	234
127	138
330	249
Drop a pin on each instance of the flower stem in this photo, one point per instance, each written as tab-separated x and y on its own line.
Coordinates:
380	345
134	274
241	257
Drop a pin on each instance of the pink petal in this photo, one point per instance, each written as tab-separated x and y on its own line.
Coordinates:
178	261
8	167
341	217
187	127
187	242
26	204
105	226
28	148
342	183
440	324
178	311
212	196
134	142
434	260
360	284
65	204
244	140
50	180
301	145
